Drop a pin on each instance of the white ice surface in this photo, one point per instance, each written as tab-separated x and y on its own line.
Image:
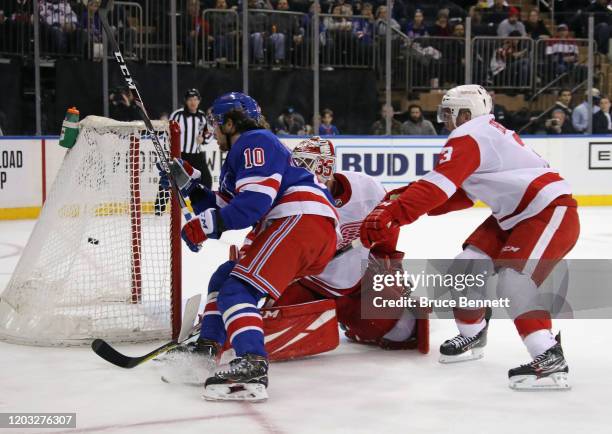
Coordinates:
354	389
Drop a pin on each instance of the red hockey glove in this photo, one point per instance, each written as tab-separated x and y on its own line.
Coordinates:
205	225
378	225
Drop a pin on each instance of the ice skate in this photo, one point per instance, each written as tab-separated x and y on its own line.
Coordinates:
464	349
245	379
548	371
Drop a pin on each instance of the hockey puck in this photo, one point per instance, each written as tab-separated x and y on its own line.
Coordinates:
93	241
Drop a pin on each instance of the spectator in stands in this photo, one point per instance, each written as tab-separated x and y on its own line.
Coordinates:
416	124
258	26
416	28
363	28
498	12
479	27
564	101
441	27
326	128
510	65
284	29
222	33
511	24
191	24
535	26
602	121
15	24
289	122
91	24
580	115
379	128
500	112
59	23
559	123
561	52
125	32
381	21
602	15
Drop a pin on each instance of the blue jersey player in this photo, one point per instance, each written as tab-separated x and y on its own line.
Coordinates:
294	235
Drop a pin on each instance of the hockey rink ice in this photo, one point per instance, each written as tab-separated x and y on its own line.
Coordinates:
353	389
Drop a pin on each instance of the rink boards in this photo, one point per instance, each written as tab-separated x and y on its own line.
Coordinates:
28	165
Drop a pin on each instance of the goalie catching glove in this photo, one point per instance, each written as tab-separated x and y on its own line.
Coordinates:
207	224
184	174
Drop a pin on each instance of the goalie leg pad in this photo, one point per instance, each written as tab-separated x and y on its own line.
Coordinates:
300	330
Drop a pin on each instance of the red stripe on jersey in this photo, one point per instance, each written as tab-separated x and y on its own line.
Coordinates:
532	191
305	196
211	306
245	321
270	182
459	158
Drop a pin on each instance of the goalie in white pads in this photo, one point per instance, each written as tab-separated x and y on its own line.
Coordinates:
355	195
533	226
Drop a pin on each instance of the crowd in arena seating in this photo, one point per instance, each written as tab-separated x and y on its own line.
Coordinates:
515	49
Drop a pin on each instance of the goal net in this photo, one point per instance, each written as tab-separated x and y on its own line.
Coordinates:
103	260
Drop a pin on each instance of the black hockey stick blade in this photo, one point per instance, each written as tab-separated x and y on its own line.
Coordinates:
111	355
188	330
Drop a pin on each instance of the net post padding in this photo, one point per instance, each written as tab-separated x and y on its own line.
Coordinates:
135	213
100	262
175	239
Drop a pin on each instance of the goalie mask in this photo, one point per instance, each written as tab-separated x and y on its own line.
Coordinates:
470	97
316	155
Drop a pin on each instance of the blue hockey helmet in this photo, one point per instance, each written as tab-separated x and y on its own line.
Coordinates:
235	101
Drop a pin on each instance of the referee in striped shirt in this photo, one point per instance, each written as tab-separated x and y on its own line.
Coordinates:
192	121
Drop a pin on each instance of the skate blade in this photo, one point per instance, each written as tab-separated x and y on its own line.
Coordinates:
252	392
557	381
473	354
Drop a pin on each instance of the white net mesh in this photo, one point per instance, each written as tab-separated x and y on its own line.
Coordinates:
98	262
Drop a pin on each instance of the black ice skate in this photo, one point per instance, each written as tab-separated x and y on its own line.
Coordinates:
245	379
548	371
463	349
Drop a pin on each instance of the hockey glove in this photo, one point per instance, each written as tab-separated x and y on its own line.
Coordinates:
207	224
378	224
184	174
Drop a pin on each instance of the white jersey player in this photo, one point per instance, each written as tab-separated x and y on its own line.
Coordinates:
534	224
355	195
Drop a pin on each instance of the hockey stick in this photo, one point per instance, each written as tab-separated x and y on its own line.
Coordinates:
353	245
105	6
188	330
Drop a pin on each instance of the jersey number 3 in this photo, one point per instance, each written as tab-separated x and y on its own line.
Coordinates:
254	158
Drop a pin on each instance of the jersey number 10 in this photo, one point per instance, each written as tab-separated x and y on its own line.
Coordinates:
254	158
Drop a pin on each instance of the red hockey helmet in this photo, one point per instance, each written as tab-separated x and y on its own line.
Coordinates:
316	155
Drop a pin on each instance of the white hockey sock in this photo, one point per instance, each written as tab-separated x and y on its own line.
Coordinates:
538	342
403	328
470	330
